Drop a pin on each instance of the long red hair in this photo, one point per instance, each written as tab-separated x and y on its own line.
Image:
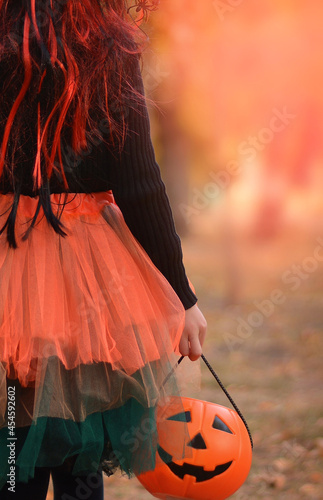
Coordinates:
64	64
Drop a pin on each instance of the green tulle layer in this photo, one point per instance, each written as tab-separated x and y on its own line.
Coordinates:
124	438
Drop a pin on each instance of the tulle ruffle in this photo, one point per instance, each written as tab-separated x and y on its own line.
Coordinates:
92	296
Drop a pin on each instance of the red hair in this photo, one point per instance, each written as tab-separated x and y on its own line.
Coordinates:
65	62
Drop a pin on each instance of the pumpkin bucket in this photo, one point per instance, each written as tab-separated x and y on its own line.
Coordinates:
220	455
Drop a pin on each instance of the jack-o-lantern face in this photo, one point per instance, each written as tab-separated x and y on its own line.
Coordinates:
218	454
197	443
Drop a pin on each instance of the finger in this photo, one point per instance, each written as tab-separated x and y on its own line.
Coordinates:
195	347
184	347
202	331
202	336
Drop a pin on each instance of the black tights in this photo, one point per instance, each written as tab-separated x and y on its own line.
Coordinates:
66	486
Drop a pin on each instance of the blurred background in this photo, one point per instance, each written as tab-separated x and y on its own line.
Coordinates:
238	137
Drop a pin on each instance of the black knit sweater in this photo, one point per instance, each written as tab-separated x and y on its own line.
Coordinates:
135	180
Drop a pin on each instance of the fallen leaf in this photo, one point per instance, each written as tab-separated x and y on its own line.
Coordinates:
283	464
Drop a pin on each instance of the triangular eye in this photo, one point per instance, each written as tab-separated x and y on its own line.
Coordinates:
181	417
197	442
220	425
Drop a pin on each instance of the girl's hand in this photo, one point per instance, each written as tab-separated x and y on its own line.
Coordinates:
193	334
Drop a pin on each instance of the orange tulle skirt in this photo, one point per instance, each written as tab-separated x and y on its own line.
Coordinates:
91	296
87	322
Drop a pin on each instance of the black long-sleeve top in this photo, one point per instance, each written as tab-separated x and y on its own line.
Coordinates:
135	180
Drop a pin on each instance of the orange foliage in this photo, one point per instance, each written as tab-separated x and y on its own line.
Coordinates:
228	74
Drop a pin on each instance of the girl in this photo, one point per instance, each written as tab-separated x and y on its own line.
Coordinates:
95	304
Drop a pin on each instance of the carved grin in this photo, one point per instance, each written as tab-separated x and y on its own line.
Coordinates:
192	470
